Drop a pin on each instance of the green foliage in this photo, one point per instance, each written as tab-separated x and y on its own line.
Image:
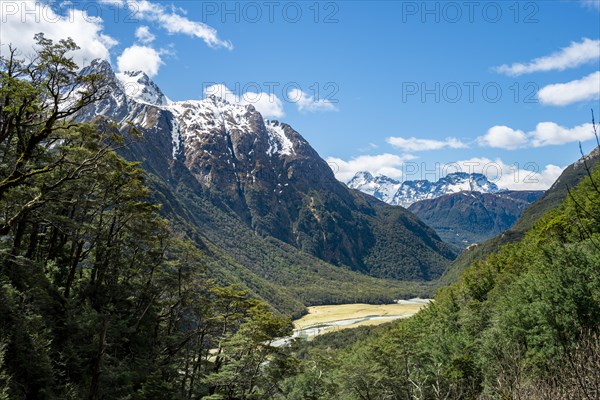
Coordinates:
4	376
246	365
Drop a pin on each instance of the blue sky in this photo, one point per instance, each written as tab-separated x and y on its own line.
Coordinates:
371	85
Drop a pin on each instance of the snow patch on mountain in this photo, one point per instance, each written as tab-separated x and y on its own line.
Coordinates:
199	118
279	143
175	138
210	114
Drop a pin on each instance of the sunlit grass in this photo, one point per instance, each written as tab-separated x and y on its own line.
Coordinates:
327	314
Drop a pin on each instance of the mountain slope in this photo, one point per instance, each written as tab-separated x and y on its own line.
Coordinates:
569	178
408	192
265	207
465	218
279	186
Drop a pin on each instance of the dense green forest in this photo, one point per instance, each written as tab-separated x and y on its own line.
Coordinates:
522	323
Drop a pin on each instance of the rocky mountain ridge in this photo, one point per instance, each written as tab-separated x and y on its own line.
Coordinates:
405	193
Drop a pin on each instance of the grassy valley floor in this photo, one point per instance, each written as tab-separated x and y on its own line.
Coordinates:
331	318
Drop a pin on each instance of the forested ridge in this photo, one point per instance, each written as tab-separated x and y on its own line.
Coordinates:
522	323
552	198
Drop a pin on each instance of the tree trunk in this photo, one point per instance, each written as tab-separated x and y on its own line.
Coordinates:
97	371
73	268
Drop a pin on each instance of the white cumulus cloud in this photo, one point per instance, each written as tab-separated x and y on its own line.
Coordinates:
112	2
544	134
308	103
381	164
21	20
503	137
172	22
550	133
268	104
144	35
414	144
562	94
593	4
517	176
140	58
576	54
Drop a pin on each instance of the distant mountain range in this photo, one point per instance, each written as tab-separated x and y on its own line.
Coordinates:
462	208
406	193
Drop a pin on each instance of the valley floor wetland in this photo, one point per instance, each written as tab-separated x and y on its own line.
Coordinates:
331	318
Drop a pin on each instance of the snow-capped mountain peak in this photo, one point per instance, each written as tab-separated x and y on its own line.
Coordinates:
139	87
462	181
98	66
197	129
212	113
361	177
406	193
198	118
381	186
